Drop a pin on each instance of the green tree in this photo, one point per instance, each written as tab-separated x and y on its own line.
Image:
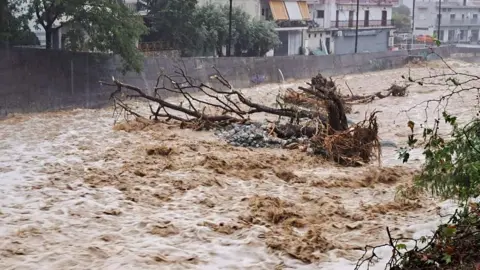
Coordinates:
173	21
204	30
101	25
401	18
249	37
402	9
212	25
14	30
263	37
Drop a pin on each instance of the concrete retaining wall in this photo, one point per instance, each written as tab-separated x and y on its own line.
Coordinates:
33	80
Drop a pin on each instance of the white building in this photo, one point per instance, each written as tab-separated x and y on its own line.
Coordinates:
459	20
336	22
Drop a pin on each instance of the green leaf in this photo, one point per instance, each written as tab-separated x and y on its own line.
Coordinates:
401	246
438	42
447	258
449	231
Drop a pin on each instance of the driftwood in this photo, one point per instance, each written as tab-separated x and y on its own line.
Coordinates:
394	90
221	106
317	112
308	100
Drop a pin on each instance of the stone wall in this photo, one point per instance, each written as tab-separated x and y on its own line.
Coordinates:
34	80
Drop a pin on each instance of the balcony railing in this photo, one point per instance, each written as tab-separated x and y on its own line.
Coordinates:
361	23
458	22
155	46
369	2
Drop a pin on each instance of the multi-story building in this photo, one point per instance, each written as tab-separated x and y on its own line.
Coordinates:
459	20
336	23
292	19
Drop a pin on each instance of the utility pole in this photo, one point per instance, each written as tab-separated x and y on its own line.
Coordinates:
229	47
356	26
439	17
413	23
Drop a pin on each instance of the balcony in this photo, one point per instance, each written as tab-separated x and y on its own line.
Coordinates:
362	23
458	22
368	2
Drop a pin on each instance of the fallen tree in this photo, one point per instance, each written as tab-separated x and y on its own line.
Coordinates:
324	124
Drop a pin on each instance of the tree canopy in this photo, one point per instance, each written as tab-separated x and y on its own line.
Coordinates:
101	25
401	18
402	9
14	30
204	30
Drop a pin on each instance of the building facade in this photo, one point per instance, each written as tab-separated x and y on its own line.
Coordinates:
313	26
335	24
459	20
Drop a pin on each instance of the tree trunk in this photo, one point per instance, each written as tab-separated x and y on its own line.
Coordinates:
48	38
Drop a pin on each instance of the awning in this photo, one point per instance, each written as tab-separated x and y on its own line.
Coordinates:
293	10
304	10
279	12
289	10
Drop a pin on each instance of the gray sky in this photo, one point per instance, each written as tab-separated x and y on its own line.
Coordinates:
408	3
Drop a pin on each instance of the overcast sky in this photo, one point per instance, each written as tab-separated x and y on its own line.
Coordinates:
408	3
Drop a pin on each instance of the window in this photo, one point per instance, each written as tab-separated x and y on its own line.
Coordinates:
440	37
474	35
320	14
263	12
384	18
350	18
452	17
367	18
451	35
336	17
315	35
309	35
462	34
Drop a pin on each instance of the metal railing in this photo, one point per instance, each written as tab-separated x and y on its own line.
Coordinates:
369	2
459	22
154	46
132	6
361	23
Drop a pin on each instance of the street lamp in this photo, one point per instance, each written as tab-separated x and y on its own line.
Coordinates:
229	47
